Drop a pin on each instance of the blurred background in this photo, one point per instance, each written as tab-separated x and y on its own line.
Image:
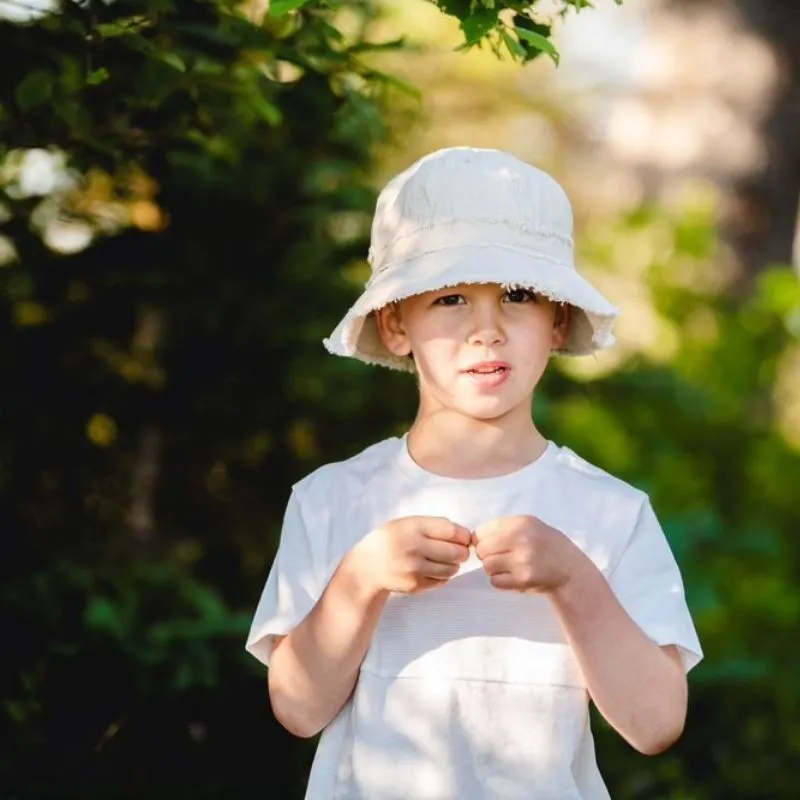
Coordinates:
185	199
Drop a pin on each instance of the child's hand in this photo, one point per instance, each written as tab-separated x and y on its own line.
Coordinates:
412	554
525	554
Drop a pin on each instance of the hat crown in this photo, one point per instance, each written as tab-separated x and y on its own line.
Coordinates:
482	193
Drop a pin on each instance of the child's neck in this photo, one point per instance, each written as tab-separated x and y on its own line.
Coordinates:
461	447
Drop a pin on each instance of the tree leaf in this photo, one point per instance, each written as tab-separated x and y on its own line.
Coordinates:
108	30
541	43
393	80
476	26
97	76
515	49
368	47
34	89
156	79
101	614
173	59
455	8
277	8
126	26
269	112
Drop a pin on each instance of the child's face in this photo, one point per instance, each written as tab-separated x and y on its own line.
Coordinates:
479	349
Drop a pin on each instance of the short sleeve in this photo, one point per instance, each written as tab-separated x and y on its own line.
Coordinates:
292	586
648	583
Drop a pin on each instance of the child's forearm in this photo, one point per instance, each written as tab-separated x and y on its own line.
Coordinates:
639	687
314	668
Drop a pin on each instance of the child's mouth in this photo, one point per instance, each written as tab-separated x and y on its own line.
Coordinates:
488	368
488	375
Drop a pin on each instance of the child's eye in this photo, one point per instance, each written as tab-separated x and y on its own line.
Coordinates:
520	296
449	300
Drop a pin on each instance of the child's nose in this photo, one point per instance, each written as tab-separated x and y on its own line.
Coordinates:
487	328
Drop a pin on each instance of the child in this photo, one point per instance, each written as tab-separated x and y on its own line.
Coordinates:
444	604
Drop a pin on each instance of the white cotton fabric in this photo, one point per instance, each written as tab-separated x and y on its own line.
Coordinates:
468	692
472	215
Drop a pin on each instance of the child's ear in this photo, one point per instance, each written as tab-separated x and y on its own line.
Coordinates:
561	325
390	327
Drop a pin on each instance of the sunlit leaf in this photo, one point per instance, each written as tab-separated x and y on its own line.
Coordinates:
479	24
28	313
101	430
124	26
269	112
539	42
173	59
278	8
97	76
513	46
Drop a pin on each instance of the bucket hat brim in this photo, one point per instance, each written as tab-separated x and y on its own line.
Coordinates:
357	334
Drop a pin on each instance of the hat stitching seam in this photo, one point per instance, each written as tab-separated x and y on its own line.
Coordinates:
511	248
526	229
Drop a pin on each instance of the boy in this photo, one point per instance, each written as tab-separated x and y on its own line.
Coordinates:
443	605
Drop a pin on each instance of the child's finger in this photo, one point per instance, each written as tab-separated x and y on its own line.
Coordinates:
491	545
486	530
496	564
438	571
442	528
444	552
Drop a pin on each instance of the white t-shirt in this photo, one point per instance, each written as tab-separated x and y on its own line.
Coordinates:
466	691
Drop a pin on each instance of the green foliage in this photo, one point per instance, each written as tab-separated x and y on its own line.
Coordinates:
702	433
169	385
123	611
218	167
189	79
525	36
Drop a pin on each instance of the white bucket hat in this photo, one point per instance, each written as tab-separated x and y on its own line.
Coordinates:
466	215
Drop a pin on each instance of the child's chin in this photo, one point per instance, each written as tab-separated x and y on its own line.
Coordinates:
485	409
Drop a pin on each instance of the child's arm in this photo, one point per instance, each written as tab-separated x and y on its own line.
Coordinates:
313	669
638	686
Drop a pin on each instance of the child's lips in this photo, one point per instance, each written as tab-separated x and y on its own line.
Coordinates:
486	367
488	374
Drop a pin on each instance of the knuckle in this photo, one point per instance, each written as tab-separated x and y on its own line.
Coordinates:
406	565
528	574
413	549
